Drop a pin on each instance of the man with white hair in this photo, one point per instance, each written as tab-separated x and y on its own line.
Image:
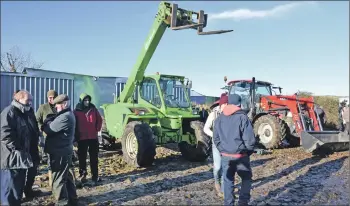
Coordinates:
19	148
60	130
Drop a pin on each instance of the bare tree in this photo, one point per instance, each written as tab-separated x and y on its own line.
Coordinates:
15	60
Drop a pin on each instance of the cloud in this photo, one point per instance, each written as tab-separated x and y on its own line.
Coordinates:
242	14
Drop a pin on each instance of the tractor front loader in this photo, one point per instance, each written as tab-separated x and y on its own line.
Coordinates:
278	119
156	109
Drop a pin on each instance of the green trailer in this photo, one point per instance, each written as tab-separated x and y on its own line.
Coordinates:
160	117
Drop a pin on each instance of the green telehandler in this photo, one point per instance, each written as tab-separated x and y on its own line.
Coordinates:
156	109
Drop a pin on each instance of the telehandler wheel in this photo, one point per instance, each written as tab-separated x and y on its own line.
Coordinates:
270	130
201	151
138	144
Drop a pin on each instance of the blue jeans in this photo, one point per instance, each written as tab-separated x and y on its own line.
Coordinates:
230	166
12	186
217	170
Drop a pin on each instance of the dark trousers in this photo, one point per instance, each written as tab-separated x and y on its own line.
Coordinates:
241	166
12	186
92	146
30	179
63	186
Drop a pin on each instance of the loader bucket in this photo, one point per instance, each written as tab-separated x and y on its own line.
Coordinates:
324	142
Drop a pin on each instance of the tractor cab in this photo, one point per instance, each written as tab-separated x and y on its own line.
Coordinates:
244	88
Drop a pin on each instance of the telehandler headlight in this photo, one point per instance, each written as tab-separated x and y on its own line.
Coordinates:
194	112
141	112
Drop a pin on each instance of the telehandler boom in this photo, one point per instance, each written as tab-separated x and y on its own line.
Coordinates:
156	109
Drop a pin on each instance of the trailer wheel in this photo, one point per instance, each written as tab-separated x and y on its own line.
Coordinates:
138	144
201	150
270	130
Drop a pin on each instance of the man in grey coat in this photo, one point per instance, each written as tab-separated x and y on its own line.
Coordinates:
60	130
19	149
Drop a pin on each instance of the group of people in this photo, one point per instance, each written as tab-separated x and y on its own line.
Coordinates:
233	142
55	128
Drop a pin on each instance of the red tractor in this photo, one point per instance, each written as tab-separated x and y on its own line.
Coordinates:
284	119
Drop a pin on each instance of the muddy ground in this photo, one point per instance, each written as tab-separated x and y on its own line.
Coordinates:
285	177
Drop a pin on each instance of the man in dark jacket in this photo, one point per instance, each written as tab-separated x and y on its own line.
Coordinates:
60	130
19	149
234	138
321	115
89	123
203	114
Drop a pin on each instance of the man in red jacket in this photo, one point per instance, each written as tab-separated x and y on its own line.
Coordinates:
88	124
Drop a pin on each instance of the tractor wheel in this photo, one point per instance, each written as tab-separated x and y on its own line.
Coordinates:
270	130
201	151
138	144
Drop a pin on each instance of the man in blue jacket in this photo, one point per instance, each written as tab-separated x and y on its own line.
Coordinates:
234	138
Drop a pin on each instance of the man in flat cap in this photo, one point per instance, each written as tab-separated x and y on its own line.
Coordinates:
43	111
60	129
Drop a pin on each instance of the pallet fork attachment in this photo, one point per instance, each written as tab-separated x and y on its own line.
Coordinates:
187	23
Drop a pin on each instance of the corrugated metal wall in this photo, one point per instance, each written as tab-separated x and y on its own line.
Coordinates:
38	82
37	86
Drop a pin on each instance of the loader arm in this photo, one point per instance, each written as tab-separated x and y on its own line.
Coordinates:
169	15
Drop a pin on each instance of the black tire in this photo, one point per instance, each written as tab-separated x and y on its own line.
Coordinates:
201	151
146	146
276	130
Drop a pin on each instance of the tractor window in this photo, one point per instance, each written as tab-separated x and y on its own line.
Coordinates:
174	93
263	89
149	92
242	89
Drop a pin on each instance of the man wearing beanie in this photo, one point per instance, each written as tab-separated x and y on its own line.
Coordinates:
43	111
89	123
234	138
208	129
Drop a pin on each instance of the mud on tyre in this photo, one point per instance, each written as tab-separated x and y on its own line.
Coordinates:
270	131
201	150
138	144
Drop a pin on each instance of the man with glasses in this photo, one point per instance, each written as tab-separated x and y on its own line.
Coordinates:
42	113
19	149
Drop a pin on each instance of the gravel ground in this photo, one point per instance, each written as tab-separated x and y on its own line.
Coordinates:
285	177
